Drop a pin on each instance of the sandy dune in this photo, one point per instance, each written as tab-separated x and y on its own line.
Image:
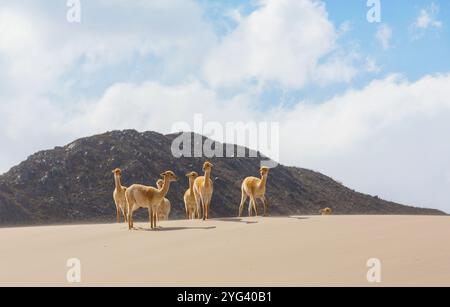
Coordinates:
292	251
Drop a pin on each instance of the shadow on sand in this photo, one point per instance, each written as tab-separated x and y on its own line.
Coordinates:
236	220
173	228
299	217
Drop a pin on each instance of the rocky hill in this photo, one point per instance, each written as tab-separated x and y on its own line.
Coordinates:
74	183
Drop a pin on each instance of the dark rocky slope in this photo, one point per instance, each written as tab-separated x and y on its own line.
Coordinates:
74	183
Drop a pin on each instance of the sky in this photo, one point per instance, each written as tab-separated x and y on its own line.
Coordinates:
366	103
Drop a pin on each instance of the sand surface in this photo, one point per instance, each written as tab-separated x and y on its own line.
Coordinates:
290	251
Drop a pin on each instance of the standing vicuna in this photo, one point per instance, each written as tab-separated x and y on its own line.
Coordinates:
192	211
119	196
164	206
141	196
255	188
203	190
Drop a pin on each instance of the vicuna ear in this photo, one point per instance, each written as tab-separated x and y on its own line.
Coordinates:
162	174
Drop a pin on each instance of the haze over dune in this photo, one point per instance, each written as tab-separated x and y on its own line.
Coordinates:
289	251
74	183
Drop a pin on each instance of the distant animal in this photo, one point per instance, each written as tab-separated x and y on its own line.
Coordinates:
192	211
119	196
164	207
141	196
326	211
255	188
203	190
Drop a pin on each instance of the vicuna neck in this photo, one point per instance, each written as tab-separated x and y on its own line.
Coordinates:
263	181
191	186
207	177
165	188
117	182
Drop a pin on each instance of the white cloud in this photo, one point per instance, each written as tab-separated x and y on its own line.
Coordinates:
283	41
154	106
336	68
384	36
33	40
427	19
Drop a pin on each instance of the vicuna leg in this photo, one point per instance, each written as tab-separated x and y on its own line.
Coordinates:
207	208
203	208
124	213
117	214
197	212
198	204
252	205
155	216
130	218
150	219
129	206
243	200
255	206
266	206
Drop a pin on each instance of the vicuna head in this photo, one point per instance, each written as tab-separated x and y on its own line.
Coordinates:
117	172
192	175
169	175
264	171
207	166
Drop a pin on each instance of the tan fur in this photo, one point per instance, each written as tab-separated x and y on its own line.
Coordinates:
141	196
203	190
164	207
255	188
326	211
190	204
119	196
